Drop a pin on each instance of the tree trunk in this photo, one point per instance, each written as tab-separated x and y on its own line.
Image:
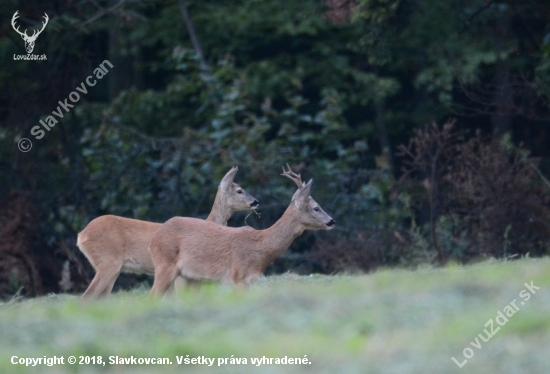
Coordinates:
501	120
383	137
192	33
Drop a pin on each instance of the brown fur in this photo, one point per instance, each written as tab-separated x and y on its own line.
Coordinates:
115	244
200	250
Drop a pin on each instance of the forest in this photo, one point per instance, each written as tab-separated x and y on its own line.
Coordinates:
424	124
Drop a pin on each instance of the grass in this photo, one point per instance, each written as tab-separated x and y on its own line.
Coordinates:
390	321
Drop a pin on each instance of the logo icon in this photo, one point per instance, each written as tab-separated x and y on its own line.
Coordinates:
29	40
24	145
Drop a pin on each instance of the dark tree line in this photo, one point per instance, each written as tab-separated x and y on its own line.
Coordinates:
342	90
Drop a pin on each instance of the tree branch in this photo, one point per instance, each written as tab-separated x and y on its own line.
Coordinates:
192	33
487	4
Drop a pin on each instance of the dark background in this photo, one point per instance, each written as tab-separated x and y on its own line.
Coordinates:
423	122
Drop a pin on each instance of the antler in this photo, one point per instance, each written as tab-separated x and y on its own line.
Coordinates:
296	178
24	34
43	26
15	16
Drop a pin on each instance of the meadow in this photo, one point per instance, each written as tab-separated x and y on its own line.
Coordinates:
388	321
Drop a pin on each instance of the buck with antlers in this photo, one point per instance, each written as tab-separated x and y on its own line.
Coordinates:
115	244
29	40
200	250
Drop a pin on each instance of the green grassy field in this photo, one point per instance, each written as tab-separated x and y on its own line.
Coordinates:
390	321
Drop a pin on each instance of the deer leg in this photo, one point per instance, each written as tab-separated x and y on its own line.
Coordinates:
194	283
182	282
103	282
165	275
90	291
109	285
172	288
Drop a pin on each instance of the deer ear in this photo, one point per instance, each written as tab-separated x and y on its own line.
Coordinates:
301	196
228	179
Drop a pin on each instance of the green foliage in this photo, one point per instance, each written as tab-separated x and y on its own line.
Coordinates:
542	80
283	83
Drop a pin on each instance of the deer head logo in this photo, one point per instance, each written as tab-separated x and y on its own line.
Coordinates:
29	40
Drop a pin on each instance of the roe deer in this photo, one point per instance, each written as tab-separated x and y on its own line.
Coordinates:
200	250
115	244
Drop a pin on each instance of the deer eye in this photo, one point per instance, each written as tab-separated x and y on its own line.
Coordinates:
240	192
316	209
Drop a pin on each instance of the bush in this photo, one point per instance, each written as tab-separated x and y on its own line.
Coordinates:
480	197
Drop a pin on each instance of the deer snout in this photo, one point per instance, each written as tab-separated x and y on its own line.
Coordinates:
254	204
331	223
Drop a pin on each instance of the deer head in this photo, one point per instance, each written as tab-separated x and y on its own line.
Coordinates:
29	40
233	195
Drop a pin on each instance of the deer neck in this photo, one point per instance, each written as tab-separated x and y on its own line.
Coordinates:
220	213
280	236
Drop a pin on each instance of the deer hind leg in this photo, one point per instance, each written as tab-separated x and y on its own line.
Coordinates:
103	281
194	283
182	282
165	275
172	288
